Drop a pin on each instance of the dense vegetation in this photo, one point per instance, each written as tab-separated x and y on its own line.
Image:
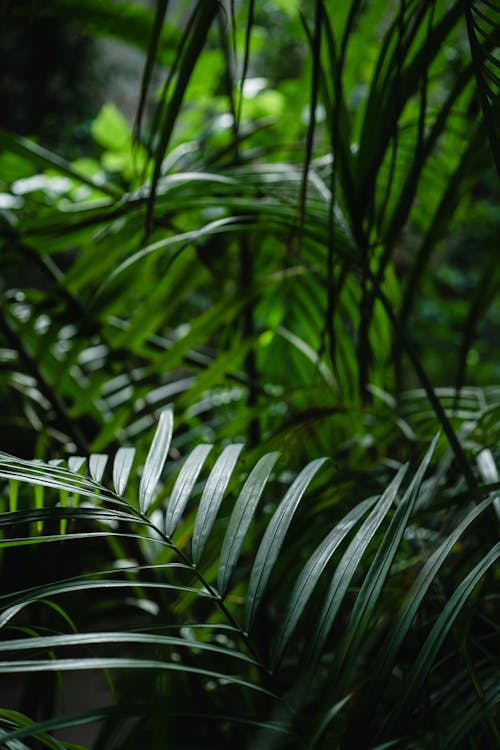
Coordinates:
294	249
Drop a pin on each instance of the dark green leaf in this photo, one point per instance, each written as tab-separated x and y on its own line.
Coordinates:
273	539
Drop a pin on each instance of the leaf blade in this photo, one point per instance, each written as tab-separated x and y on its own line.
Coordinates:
375	578
273	539
241	518
156	459
212	497
97	464
345	571
426	657
121	468
184	486
310	575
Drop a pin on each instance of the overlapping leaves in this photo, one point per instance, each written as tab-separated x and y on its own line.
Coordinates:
190	576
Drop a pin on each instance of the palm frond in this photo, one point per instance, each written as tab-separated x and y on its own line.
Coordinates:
207	588
172	580
483	28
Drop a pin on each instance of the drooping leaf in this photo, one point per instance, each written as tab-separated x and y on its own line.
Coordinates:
28	597
155	639
80	718
45	475
90	663
15	718
46	159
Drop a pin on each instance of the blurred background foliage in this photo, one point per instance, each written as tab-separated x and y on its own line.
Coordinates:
282	218
237	156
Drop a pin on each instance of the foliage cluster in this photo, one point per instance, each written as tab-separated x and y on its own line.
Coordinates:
293	248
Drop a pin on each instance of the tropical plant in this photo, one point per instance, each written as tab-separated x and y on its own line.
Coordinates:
253	651
301	259
295	247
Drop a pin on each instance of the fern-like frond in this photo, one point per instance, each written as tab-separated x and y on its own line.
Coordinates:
175	581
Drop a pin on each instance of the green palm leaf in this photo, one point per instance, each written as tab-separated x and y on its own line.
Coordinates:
156	459
62	665
13	719
310	574
109	637
374	580
97	465
43	158
184	486
161	582
425	659
386	660
197	31
343	576
421	586
273	539
121	468
241	518
212	497
478	712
